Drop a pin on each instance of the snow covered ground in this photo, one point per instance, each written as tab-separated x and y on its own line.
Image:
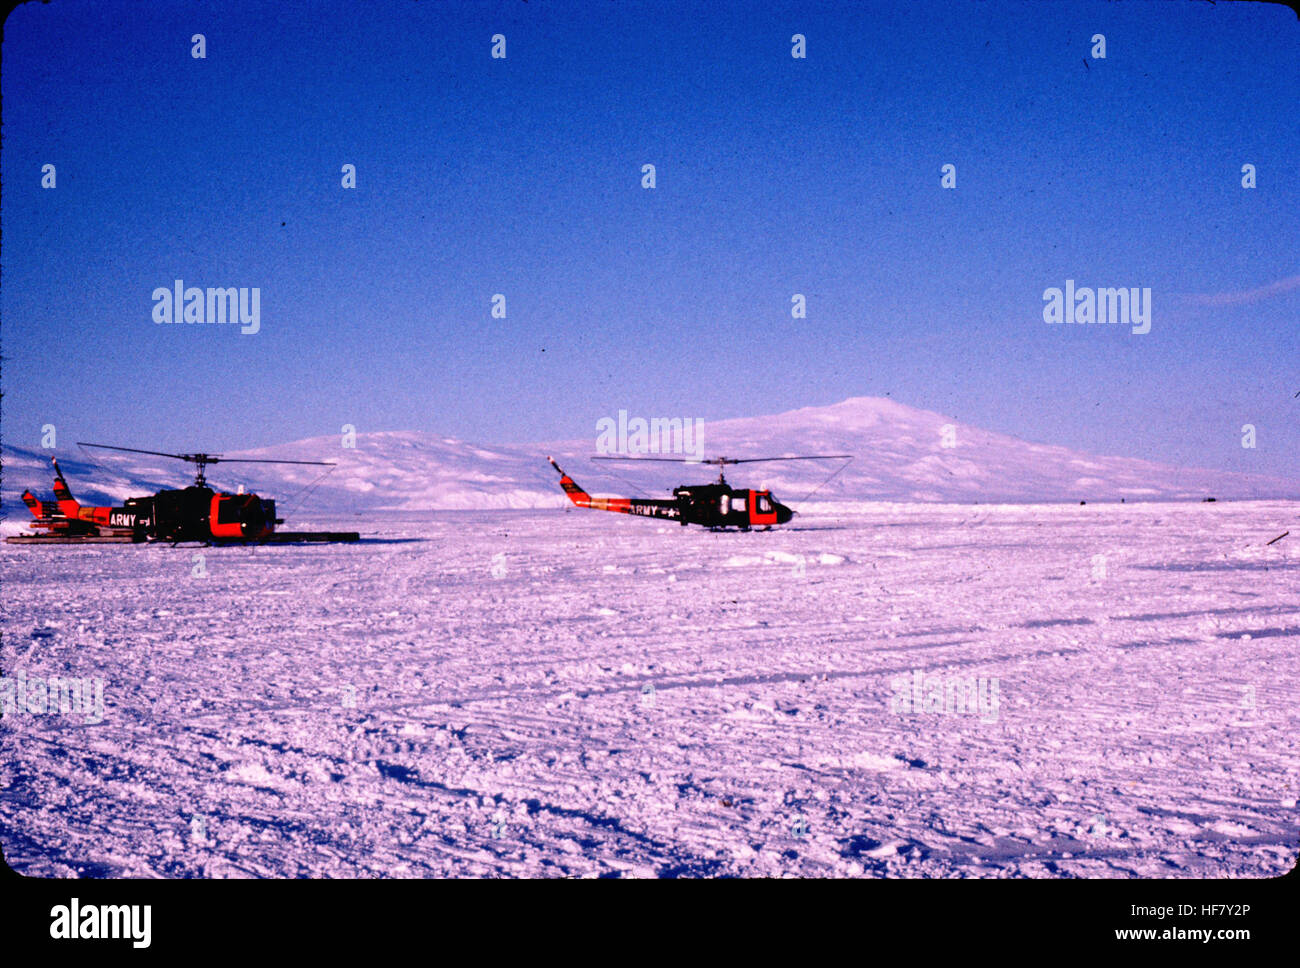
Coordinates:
549	692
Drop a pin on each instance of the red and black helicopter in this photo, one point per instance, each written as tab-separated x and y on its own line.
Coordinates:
194	513
716	506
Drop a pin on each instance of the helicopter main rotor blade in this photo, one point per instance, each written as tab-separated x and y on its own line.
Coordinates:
723	460
135	450
757	460
205	458
255	460
635	460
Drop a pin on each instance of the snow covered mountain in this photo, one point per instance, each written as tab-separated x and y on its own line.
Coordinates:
900	454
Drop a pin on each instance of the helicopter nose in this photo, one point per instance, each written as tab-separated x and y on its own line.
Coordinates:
783	514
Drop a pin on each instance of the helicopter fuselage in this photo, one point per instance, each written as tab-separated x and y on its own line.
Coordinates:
195	513
716	505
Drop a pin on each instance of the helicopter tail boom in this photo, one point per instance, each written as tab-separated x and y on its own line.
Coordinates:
619	505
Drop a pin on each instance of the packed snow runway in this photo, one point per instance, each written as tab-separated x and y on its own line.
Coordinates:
902	691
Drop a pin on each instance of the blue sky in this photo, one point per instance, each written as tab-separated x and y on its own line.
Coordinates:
775	176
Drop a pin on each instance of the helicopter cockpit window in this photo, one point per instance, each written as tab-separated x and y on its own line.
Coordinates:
737	504
763	505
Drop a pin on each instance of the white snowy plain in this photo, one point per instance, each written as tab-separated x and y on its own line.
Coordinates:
547	692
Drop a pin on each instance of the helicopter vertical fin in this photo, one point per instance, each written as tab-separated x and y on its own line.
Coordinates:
576	494
68	505
39	508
